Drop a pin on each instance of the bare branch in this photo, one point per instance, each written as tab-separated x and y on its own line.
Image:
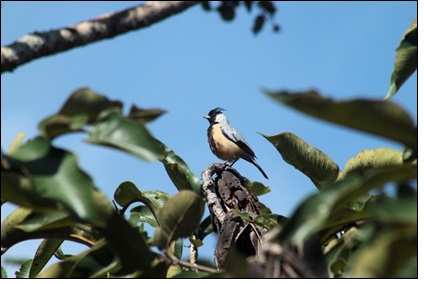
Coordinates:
39	44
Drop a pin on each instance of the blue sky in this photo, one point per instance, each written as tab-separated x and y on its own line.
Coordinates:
193	62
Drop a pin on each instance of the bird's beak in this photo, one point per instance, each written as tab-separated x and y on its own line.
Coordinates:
206	116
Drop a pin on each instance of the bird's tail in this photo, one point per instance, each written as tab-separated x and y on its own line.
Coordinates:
253	161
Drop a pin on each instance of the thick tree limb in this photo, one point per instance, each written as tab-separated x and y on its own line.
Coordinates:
39	44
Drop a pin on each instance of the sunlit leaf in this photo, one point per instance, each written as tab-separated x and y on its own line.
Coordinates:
372	159
257	188
44	253
178	171
406	61
179	217
307	159
118	132
16	143
24	269
45	220
382	118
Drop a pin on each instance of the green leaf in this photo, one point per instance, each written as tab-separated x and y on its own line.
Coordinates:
16	143
24	270
373	159
322	210
145	215
205	228
55	178
127	193
145	115
3	273
44	253
178	171
406	61
82	107
257	188
307	159
40	220
179	217
113	130
382	118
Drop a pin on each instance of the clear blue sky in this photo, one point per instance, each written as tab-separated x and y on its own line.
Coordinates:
193	62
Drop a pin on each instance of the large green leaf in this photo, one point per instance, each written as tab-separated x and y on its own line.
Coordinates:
116	131
179	217
178	171
319	211
382	118
145	215
406	61
307	159
55	178
81	108
373	159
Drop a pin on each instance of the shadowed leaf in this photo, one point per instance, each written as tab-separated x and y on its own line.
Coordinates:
145	115
127	193
179	217
406	61
82	107
382	118
55	178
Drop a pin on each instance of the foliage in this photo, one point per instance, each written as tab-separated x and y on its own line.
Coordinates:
365	232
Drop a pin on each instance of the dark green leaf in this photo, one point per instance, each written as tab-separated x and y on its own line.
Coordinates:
145	215
44	253
24	270
307	159
82	107
145	115
56	178
41	220
406	61
125	134
322	210
127	193
178	171
205	228
179	217
377	117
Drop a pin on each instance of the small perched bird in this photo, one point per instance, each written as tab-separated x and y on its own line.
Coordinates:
226	142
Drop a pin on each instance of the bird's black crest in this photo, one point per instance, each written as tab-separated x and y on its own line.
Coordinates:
215	111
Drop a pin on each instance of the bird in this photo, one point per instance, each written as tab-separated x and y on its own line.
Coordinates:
226	142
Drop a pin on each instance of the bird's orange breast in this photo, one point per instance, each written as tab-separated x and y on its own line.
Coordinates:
222	147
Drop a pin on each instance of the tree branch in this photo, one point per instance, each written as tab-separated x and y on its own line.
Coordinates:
39	44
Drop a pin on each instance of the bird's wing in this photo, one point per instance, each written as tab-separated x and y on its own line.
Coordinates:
232	134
